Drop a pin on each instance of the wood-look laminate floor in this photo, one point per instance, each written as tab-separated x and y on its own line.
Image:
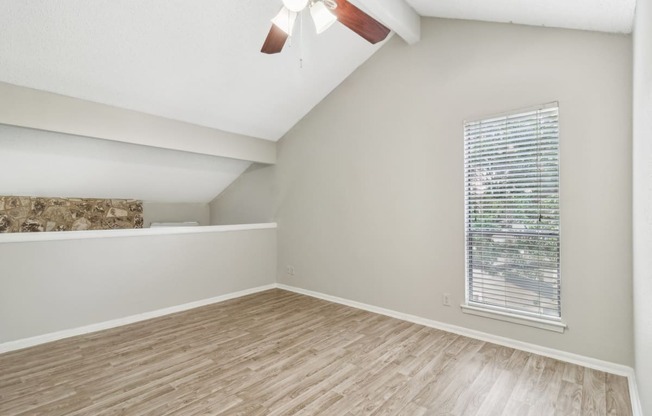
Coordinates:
280	353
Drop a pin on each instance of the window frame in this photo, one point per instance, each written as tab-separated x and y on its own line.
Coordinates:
553	323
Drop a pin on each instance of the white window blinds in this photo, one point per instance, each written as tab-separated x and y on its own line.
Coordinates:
512	213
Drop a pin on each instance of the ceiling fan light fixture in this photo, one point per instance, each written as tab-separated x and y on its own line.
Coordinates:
295	5
349	15
284	20
321	16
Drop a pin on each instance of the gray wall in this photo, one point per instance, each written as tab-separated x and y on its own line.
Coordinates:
164	212
238	205
57	285
643	200
368	187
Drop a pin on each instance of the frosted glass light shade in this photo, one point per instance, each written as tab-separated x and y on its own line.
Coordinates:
295	5
284	20
322	17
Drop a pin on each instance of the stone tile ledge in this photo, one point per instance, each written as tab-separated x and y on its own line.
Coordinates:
24	214
140	232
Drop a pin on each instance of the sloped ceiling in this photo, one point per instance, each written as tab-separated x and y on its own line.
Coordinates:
38	163
197	61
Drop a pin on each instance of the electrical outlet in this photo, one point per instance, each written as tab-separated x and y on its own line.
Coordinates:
290	270
446	299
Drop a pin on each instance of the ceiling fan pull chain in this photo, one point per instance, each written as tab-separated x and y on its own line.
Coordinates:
290	37
301	41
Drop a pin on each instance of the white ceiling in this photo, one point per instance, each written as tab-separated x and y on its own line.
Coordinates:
39	163
197	61
599	15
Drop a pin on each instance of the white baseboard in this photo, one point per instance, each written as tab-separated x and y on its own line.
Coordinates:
507	342
606	366
637	409
67	333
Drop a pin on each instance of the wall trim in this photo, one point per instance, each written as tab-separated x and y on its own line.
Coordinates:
637	408
594	363
130	232
87	329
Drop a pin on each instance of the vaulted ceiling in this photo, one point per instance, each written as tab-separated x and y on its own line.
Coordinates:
199	61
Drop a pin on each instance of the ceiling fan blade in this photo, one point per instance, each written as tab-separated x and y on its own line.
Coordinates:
360	22
275	40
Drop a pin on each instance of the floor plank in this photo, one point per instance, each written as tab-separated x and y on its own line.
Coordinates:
281	353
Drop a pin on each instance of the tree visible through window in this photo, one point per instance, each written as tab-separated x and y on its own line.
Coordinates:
512	212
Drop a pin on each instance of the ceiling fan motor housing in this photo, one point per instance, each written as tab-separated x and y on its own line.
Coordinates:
295	5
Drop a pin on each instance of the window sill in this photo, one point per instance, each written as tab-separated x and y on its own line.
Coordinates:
556	326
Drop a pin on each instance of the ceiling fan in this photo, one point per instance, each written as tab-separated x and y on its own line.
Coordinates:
324	13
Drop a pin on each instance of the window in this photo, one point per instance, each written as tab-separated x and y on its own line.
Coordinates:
512	214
